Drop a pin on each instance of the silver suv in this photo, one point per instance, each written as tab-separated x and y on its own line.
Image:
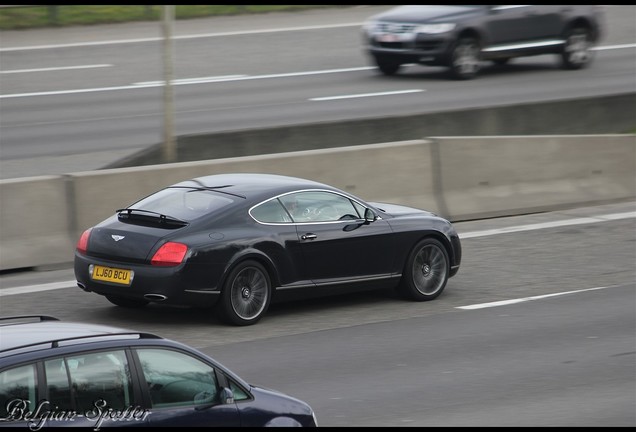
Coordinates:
460	37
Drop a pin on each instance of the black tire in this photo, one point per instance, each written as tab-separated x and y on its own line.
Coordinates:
387	67
426	271
465	59
246	294
127	302
577	52
501	61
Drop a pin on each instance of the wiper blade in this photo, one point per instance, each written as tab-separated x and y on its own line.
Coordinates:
210	188
127	213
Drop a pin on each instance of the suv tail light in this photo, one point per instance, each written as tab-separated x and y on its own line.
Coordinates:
170	254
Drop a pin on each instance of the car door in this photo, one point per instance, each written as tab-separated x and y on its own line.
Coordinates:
183	390
337	244
521	23
81	389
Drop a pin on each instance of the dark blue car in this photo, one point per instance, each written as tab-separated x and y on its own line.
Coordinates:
55	373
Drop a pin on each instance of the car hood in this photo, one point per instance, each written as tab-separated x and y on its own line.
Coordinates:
426	14
284	404
400	210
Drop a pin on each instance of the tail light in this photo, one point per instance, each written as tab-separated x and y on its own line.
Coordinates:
82	243
170	254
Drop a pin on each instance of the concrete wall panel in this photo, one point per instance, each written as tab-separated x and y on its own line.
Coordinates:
34	222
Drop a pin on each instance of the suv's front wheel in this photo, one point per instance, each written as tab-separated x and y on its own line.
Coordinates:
465	59
577	52
387	66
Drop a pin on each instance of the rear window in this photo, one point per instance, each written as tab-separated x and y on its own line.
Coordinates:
184	203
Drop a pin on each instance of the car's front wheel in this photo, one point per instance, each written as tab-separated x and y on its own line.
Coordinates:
246	294
126	302
386	66
577	50
426	271
465	59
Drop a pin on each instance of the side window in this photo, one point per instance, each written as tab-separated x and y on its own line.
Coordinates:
319	206
177	379
18	386
271	211
239	393
96	377
58	384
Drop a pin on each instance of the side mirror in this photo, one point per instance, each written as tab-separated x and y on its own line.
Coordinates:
370	216
227	396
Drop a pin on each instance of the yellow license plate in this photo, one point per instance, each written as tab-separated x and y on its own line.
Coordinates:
113	275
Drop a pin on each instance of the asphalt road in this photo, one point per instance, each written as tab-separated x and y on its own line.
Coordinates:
80	98
537	329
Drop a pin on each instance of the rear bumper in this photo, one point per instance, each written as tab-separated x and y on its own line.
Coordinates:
166	285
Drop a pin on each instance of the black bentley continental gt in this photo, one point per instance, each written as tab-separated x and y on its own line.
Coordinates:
238	241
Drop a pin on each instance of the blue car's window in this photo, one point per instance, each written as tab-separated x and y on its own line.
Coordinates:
177	379
17	390
184	203
96	378
239	393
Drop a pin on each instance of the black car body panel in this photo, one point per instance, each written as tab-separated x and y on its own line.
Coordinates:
430	34
328	247
39	398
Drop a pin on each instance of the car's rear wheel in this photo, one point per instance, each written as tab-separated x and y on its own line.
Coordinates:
426	271
386	66
127	302
246	294
577	50
465	60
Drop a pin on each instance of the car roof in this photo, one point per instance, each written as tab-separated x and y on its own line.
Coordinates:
254	185
22	332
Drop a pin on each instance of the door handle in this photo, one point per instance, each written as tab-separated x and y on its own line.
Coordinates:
308	236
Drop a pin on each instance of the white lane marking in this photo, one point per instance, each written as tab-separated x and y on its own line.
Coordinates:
37	288
352	96
186	81
531	227
149	84
525	299
49	69
198	36
577	221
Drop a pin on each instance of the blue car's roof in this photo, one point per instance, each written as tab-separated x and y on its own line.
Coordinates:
23	332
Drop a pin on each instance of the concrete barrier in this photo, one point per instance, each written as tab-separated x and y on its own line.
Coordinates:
581	116
458	177
35	222
483	177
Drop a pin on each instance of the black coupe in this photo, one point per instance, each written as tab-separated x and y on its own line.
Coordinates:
237	241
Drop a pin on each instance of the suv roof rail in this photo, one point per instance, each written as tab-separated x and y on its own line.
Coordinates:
54	343
26	318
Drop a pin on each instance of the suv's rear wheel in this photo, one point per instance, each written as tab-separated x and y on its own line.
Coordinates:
577	52
465	60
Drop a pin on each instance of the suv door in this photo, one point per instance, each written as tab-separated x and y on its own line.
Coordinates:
521	23
183	390
82	389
